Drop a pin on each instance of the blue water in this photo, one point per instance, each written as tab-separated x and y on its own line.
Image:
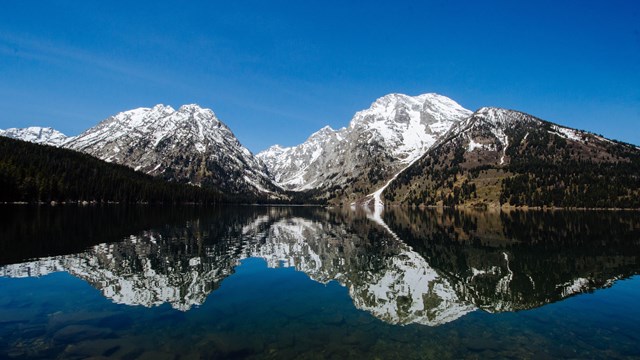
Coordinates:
273	300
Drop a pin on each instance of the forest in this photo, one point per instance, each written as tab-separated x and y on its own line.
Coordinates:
546	170
41	173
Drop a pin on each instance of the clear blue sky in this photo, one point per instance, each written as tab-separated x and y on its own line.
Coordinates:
276	71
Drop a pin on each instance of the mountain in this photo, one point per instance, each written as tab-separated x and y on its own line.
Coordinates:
41	173
500	157
36	134
189	145
418	150
342	165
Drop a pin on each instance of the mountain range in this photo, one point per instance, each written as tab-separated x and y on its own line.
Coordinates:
351	162
35	134
417	150
500	157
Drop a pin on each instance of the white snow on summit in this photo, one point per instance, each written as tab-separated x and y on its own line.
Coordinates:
409	125
36	134
393	132
189	144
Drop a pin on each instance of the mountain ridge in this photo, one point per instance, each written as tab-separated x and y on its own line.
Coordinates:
499	157
353	164
188	145
36	134
347	163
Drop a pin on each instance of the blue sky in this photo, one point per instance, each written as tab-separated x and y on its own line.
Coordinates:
276	71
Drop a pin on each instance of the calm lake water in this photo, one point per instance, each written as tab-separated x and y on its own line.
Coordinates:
298	282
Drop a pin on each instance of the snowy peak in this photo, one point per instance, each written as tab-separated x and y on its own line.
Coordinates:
393	106
36	134
503	117
144	119
272	152
274	149
322	133
158	123
394	131
505	147
139	115
187	145
197	113
499	121
194	108
409	125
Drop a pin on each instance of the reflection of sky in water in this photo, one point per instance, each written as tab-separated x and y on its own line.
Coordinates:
280	312
285	286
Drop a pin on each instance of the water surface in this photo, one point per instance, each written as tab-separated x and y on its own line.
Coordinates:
280	282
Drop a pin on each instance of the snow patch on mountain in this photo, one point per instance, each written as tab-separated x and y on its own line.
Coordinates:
393	132
409	125
189	145
36	134
566	133
375	198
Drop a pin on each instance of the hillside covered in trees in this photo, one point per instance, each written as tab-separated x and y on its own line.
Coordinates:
506	158
41	173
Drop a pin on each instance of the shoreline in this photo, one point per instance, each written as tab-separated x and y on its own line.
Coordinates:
422	207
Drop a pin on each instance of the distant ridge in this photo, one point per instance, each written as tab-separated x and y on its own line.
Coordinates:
403	150
500	157
36	134
343	165
189	145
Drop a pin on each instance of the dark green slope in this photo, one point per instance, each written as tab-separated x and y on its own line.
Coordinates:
41	173
501	157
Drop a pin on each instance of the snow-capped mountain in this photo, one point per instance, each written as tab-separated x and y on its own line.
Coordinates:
36	134
297	168
498	156
379	141
189	145
401	149
491	131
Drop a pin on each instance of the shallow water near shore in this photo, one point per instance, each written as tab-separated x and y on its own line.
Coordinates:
262	282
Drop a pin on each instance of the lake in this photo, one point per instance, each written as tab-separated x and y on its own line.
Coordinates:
144	282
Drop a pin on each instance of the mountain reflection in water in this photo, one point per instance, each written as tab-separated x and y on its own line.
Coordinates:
424	266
